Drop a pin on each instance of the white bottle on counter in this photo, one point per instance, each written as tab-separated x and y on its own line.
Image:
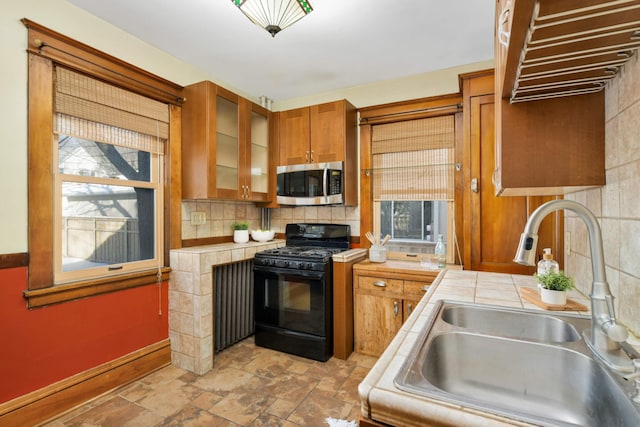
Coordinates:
547	264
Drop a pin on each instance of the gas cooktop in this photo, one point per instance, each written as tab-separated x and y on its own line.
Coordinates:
301	251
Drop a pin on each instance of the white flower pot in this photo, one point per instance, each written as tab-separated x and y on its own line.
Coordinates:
553	297
241	236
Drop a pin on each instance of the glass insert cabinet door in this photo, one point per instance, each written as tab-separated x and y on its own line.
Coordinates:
227	144
259	152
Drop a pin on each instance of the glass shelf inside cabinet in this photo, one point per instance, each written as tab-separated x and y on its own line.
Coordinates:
227	178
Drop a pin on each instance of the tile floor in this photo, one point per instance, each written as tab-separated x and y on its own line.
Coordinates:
248	386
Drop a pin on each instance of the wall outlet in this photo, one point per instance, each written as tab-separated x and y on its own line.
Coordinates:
198	218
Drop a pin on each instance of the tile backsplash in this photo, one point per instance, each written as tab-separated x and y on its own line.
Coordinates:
616	205
220	215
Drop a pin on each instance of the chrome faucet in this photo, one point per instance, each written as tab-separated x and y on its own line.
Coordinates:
606	335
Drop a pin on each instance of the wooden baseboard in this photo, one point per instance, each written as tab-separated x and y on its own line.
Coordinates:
61	396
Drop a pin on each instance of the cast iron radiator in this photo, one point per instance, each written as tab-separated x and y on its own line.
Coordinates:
232	303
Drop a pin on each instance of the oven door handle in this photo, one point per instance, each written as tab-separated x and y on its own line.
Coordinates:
275	271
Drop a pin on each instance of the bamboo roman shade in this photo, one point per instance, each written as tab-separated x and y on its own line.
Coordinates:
93	110
414	159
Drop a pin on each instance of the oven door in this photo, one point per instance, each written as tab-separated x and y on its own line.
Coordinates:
295	300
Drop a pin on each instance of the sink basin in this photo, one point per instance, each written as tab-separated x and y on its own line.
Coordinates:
514	323
468	357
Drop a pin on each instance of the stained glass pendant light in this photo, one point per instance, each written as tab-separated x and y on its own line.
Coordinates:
274	15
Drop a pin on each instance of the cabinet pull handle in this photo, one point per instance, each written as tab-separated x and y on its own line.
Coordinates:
503	19
380	283
474	185
409	308
396	308
306	156
312	156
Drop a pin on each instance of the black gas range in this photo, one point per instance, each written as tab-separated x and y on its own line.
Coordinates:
293	293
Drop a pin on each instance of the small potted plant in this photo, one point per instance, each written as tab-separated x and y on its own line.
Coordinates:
240	231
554	286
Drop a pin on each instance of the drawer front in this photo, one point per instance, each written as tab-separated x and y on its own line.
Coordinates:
380	284
415	288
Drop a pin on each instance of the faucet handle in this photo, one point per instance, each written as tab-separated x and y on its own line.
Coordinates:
615	331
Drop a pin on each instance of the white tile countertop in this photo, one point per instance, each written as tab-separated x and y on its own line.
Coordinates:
382	401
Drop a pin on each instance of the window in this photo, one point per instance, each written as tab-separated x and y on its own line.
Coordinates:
412	180
104	140
408	185
107	204
413	221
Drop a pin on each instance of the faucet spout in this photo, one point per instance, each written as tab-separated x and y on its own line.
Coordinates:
606	333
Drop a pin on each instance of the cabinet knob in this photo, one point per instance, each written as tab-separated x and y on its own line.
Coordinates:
503	20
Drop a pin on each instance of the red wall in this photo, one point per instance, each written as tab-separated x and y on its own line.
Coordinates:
44	345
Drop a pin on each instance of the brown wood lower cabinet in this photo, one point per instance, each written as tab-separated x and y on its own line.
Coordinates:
385	294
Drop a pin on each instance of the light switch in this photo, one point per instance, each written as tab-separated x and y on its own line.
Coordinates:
198	218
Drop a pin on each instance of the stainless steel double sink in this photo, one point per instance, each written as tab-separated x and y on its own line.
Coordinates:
526	365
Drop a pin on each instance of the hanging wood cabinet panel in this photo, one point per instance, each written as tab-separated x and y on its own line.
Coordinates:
553	60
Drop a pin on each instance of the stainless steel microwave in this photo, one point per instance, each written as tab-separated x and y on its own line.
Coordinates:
310	184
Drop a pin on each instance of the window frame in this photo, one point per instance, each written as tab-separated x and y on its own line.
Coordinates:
60	275
46	48
400	111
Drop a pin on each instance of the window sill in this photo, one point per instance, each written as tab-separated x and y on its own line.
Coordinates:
72	291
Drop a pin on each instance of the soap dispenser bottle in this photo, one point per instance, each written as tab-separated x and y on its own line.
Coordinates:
547	264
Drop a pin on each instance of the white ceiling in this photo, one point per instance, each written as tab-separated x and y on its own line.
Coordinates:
341	44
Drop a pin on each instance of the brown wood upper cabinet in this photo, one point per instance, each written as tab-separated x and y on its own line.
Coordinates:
322	133
552	62
317	134
225	150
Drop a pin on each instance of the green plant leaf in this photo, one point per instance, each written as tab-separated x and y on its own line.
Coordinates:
555	281
240	225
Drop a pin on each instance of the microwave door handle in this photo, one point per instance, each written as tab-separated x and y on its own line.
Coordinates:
324	181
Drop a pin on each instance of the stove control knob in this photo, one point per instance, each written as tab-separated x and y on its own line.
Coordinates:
309	266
